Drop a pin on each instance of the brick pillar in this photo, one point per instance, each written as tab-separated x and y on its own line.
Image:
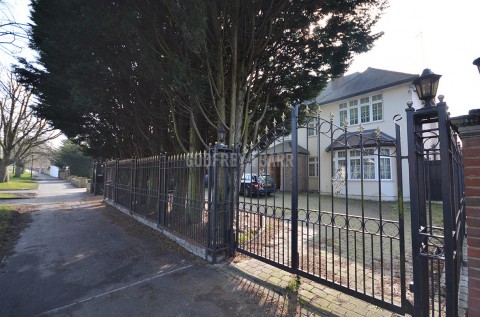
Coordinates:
469	130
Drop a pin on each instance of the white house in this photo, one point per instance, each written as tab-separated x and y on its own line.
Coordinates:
366	101
53	171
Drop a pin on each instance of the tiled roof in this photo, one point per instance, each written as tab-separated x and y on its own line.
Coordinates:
353	140
286	147
356	84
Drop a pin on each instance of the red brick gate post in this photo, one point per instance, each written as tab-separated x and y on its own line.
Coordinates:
469	130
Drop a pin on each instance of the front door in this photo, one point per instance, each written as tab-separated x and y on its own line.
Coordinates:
275	172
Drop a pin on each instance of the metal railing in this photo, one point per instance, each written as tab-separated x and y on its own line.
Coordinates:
437	237
177	193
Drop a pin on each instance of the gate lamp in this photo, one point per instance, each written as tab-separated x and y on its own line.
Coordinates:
426	86
222	135
477	63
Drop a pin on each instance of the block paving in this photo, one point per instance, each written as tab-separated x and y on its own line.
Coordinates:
269	286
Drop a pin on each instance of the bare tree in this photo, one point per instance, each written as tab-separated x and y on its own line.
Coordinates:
43	154
21	131
13	34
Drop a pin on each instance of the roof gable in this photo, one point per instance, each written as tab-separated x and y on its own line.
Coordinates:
355	84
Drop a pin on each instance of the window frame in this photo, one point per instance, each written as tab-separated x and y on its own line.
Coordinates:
362	110
312	127
353	164
313	163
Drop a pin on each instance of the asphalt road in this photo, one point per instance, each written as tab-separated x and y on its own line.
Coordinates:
80	258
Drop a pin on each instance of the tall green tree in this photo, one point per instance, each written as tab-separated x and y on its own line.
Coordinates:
132	77
256	56
71	155
94	91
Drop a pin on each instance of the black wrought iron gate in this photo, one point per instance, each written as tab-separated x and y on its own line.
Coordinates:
337	215
438	228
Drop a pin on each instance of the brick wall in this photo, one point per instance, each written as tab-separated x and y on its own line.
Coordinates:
469	130
471	154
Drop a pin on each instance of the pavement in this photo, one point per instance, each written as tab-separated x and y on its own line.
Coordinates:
79	257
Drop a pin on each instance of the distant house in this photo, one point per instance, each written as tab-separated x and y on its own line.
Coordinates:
54	171
369	101
277	162
372	101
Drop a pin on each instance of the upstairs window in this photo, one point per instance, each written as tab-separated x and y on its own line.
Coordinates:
377	108
343	113
312	127
363	110
353	111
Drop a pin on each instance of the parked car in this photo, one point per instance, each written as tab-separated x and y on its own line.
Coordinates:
252	185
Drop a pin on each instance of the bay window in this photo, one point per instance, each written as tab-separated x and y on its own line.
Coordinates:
369	161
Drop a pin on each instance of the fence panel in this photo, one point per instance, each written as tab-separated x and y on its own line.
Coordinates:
173	192
123	182
110	174
184	205
438	228
146	187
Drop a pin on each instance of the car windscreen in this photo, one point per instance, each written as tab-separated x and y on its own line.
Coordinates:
266	178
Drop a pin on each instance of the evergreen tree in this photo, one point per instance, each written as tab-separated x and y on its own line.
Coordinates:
71	155
129	77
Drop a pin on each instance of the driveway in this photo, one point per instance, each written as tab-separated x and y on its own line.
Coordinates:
80	258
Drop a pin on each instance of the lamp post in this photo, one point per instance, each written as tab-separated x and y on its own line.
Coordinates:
222	135
31	169
426	86
477	63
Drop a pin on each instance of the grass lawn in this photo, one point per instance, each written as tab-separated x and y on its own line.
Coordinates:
12	222
7	223
8	195
22	182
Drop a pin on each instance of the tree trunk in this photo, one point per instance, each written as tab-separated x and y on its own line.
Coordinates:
196	187
19	168
3	171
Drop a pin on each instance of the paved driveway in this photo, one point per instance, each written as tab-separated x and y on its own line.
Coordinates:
80	258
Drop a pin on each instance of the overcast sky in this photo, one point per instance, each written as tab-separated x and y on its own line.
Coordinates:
442	35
